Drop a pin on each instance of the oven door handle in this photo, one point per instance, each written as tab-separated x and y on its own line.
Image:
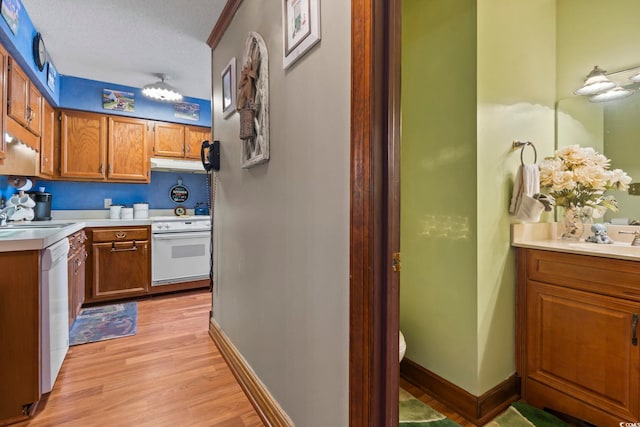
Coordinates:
175	236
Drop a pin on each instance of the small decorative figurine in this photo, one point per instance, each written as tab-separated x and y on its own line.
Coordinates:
599	234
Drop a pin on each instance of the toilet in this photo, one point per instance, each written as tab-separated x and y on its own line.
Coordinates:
402	346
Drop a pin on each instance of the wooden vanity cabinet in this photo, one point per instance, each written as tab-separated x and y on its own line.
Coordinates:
120	263
577	335
76	262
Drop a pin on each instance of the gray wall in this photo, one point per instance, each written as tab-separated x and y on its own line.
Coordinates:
282	228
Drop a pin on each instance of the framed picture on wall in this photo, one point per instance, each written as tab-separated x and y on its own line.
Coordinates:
10	11
118	100
186	110
228	76
300	28
51	76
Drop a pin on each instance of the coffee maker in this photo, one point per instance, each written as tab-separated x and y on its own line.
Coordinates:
42	209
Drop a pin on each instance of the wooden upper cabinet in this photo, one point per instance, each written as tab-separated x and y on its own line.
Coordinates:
4	61
178	141
18	96
83	145
34	111
24	101
47	140
128	155
193	140
168	139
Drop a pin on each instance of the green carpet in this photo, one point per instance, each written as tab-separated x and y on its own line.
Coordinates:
414	413
522	415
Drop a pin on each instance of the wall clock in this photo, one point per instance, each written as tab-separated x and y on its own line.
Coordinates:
39	51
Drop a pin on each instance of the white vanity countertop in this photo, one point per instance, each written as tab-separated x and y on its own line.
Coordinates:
545	236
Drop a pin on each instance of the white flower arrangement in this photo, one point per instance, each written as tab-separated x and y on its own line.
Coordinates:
577	177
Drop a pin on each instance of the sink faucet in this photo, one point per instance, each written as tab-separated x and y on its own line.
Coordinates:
636	237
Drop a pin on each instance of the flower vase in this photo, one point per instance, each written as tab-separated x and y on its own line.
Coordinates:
577	220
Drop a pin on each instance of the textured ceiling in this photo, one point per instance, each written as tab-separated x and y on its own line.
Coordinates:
128	42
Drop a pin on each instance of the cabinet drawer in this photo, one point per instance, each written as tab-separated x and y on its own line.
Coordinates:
606	276
116	234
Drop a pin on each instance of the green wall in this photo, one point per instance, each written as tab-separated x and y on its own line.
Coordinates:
438	193
474	79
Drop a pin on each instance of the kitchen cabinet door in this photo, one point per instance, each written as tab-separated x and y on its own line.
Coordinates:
128	155
34	110
4	63
193	140
24	103
168	140
47	140
120	269
76	271
18	96
83	145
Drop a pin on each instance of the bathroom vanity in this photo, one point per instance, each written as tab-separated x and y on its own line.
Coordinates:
577	329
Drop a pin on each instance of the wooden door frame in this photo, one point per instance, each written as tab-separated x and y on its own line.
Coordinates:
375	208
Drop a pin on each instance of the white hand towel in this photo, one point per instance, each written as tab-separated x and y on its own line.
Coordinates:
527	183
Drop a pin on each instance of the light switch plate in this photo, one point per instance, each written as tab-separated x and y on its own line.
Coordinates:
634	189
107	203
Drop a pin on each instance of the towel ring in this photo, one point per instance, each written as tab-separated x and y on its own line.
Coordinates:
522	145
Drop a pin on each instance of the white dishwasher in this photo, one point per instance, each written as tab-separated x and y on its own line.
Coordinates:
54	312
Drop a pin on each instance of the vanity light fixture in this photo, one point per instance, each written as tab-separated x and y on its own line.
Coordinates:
162	91
595	82
610	95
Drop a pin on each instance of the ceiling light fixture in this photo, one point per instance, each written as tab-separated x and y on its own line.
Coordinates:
595	82
610	95
162	91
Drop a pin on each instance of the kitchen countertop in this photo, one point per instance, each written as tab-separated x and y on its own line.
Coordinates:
12	239
546	236
16	239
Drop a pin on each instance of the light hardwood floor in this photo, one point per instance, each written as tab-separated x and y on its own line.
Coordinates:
169	374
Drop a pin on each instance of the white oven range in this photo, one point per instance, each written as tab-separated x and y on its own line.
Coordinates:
180	249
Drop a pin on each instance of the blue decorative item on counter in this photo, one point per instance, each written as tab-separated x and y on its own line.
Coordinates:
599	234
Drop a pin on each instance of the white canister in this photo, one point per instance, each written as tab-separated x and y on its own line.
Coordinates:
126	213
140	210
114	211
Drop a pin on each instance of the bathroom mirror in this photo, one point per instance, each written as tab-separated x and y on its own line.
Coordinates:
590	33
611	128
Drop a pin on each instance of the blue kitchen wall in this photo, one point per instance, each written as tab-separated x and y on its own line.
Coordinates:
90	195
83	94
19	46
86	95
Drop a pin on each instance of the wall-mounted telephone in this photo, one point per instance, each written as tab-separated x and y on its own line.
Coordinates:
210	159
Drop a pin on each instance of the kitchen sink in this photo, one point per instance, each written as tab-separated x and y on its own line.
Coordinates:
32	226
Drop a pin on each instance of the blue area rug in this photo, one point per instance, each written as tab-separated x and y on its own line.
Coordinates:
104	323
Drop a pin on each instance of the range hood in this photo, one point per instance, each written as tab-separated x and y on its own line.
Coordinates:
176	165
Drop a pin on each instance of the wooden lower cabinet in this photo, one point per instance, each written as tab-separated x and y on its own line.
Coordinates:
76	263
19	339
120	263
577	334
